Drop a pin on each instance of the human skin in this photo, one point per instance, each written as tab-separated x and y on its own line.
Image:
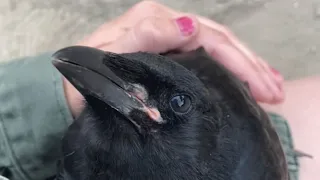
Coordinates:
301	109
140	29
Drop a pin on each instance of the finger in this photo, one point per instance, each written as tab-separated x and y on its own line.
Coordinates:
121	24
265	83
132	16
230	37
260	70
142	10
250	55
157	35
262	85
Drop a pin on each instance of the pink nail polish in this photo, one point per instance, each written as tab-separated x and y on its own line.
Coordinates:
186	25
275	72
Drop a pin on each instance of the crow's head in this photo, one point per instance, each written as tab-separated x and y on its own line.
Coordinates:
151	92
149	115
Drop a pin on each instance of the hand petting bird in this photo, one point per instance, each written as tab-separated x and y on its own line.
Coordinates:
171	116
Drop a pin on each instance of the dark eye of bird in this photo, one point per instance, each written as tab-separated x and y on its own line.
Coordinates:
180	103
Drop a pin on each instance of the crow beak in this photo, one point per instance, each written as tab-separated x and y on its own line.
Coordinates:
85	69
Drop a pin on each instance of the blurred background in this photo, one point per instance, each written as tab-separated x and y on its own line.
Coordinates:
284	32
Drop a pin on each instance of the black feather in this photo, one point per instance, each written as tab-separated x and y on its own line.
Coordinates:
225	135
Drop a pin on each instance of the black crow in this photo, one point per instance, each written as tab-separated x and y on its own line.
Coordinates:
164	117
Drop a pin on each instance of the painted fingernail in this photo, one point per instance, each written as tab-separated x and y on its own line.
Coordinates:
277	74
186	25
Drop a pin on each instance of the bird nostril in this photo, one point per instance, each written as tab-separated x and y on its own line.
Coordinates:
139	96
139	92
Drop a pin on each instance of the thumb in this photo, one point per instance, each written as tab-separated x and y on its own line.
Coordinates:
156	35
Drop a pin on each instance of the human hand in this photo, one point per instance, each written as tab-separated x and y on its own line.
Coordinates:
152	27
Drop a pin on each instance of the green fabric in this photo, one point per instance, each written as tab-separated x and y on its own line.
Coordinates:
283	130
34	116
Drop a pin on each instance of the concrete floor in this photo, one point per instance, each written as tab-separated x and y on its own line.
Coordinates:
285	32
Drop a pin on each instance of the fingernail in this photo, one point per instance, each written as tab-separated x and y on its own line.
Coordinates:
277	74
186	25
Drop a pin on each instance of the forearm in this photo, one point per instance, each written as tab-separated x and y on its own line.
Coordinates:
33	117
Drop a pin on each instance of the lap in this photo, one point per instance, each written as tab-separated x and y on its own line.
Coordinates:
283	130
301	109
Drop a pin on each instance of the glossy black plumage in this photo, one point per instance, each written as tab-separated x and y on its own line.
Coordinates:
224	136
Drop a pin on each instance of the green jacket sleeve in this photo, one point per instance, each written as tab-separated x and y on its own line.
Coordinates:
33	118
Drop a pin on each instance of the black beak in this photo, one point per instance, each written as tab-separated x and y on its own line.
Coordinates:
85	69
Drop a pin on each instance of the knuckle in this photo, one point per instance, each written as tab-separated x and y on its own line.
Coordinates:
149	8
151	26
150	31
147	3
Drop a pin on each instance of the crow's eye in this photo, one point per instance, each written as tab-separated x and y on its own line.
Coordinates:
180	103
